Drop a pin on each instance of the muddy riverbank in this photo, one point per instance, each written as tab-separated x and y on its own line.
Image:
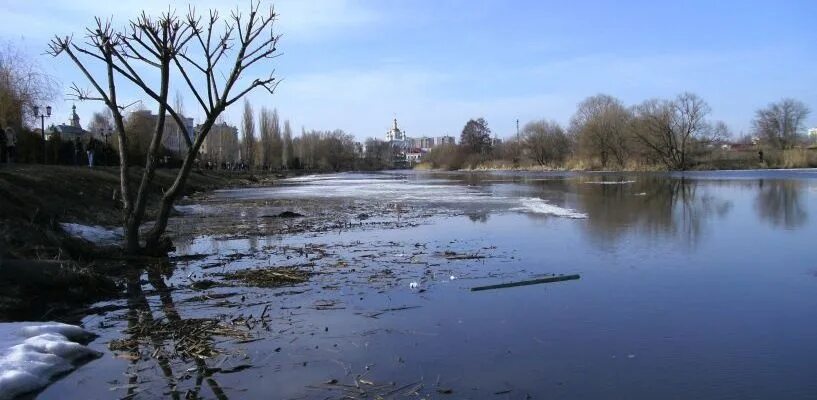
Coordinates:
47	272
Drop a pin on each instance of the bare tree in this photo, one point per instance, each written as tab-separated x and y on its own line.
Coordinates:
476	136
601	128
140	126
22	85
265	140
101	121
275	140
781	123
672	131
325	150
378	154
546	142
287	152
211	55
248	145
270	138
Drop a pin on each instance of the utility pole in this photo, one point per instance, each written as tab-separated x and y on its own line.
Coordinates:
517	129
518	140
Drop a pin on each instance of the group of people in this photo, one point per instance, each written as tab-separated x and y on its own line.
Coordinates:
8	145
228	166
90	149
9	141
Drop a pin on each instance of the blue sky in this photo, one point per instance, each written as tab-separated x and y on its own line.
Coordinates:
354	65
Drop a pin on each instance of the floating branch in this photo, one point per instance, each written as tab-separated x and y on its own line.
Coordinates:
549	279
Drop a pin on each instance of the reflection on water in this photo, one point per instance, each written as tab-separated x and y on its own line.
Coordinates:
653	207
150	343
478	216
695	285
780	202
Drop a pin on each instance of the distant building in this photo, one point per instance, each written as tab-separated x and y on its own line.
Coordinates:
71	130
395	134
409	151
441	140
426	143
413	156
172	139
399	141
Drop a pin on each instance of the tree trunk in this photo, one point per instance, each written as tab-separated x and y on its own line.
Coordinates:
132	237
150	164
153	239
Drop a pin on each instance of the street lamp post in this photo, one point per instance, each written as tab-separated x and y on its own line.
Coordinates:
42	118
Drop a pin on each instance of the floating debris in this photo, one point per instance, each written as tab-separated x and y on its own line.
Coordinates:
452	255
191	338
269	277
285	214
557	278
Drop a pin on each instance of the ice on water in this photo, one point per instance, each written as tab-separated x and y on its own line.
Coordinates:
420	190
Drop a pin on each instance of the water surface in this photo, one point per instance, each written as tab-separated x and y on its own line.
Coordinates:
697	285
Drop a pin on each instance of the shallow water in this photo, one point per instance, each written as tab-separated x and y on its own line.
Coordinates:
697	285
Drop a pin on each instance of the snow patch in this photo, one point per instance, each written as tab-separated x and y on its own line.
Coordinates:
93	234
539	206
32	353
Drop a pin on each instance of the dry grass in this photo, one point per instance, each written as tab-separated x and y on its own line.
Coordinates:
798	158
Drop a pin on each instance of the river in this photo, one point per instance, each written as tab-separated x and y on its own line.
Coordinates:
698	285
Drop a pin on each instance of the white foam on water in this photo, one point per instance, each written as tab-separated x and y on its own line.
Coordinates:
609	182
332	177
93	234
33	353
191	209
539	206
384	188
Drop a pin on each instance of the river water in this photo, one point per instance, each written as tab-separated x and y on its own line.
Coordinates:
697	285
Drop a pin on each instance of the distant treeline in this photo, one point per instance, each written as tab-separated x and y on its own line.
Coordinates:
273	147
668	134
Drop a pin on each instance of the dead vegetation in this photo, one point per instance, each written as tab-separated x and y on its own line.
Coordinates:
191	338
268	277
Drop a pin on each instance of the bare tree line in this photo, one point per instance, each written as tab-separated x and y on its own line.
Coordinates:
671	134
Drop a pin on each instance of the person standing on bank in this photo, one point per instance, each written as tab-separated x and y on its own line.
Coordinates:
11	145
2	145
90	150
